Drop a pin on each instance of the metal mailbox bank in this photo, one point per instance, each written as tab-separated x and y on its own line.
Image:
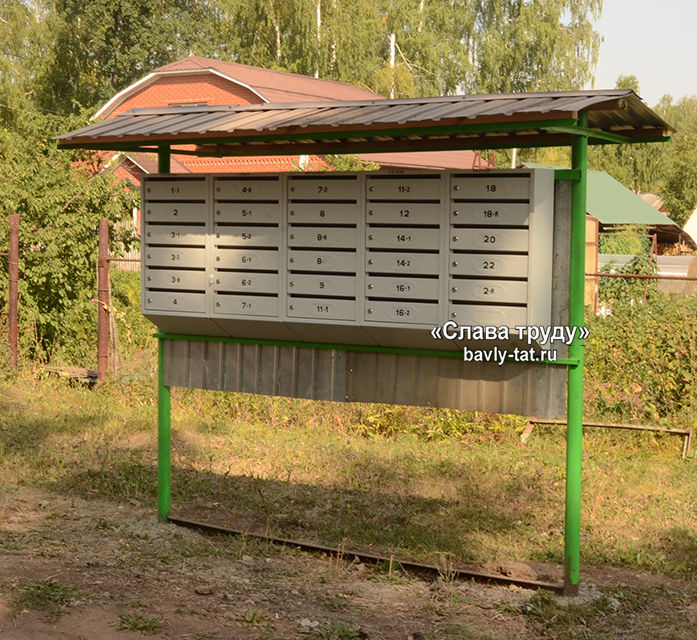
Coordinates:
348	286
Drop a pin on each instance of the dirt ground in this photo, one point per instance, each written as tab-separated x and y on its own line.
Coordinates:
127	575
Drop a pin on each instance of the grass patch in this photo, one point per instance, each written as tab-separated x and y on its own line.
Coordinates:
47	596
145	623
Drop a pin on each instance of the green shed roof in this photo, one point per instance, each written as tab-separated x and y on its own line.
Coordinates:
612	203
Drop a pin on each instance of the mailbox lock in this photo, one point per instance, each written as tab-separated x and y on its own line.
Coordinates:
148	211
453	315
369	237
455	238
370	311
292	260
292	189
291	284
217	189
454	264
292	212
217	212
292	307
149	300
371	212
454	289
456	187
456	213
371	188
217	304
292	236
370	262
370	286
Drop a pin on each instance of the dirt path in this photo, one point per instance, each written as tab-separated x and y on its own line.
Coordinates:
75	569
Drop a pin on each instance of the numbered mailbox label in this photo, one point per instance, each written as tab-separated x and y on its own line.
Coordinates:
265	260
508	291
324	213
255	212
489	239
322	285
395	287
404	213
175	301
403	188
488	315
245	282
330	237
323	261
247	236
321	308
490	187
397	238
241	305
175	257
174	279
489	264
175	212
398	262
513	214
401	312
175	234
325	188
176	189
247	188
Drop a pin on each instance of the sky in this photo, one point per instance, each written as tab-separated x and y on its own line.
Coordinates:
655	40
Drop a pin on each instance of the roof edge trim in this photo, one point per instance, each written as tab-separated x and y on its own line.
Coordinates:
154	75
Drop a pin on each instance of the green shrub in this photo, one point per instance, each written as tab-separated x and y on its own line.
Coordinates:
641	360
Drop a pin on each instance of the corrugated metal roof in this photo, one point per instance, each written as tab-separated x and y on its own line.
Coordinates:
481	121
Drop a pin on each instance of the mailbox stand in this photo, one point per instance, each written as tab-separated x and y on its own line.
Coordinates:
471	122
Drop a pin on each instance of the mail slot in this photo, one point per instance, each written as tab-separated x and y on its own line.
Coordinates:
321	308
490	187
267	260
397	238
175	212
393	262
247	188
332	261
237	236
325	188
510	291
174	279
176	189
322	285
397	287
174	257
511	214
175	301
331	237
241	305
247	212
402	312
324	213
171	234
488	264
404	188
404	213
489	239
246	282
488	315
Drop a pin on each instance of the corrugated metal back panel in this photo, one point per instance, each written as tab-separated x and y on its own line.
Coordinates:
323	374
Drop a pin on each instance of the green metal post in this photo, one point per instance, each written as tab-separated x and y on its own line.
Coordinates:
574	433
164	465
163	158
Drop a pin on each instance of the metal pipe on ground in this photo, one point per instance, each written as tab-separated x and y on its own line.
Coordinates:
103	302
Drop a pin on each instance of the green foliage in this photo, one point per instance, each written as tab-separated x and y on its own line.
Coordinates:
61	197
146	624
641	360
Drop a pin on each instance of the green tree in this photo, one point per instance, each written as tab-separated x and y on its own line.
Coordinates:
60	196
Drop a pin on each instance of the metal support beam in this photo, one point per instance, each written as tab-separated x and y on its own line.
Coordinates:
574	435
164	156
164	439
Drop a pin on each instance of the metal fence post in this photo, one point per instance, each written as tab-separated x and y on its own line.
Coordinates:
13	293
164	439
103	302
